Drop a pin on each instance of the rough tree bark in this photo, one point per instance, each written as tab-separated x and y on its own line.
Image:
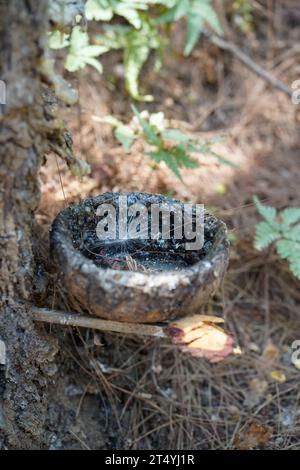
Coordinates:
23	380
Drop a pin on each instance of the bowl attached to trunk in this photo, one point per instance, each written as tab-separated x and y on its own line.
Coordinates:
139	275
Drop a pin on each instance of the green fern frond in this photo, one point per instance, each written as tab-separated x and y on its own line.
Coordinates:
58	40
125	136
136	45
149	130
293	233
136	52
280	228
171	146
295	268
291	215
82	53
104	10
175	158
197	13
267	212
290	250
265	235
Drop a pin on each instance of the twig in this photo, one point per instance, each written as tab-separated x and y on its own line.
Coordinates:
84	445
74	319
256	68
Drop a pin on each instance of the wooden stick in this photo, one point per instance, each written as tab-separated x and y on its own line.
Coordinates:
74	319
256	68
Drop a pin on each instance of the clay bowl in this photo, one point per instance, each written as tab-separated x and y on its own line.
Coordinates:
137	281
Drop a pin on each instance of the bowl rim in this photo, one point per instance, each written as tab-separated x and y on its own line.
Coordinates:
61	244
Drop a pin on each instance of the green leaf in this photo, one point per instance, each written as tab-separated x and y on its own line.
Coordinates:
295	268
209	15
99	10
81	52
104	10
178	11
162	155
135	57
291	215
150	131
182	157
94	63
194	146
78	38
174	158
194	29
223	160
286	235
123	133
130	14
199	12
126	136
267	212
58	40
265	235
175	135
292	233
290	250
136	45
112	39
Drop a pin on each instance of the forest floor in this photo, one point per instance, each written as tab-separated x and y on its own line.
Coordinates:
134	393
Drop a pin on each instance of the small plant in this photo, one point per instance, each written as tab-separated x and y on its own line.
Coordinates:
283	229
142	33
171	146
137	30
197	13
80	52
136	45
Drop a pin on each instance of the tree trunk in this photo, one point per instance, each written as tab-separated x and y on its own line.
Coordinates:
23	381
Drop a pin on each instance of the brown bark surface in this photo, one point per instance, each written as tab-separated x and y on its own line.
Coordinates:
23	383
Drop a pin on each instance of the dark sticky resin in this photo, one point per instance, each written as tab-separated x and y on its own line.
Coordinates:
142	279
139	254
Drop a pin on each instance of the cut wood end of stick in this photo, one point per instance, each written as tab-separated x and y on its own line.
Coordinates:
200	336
